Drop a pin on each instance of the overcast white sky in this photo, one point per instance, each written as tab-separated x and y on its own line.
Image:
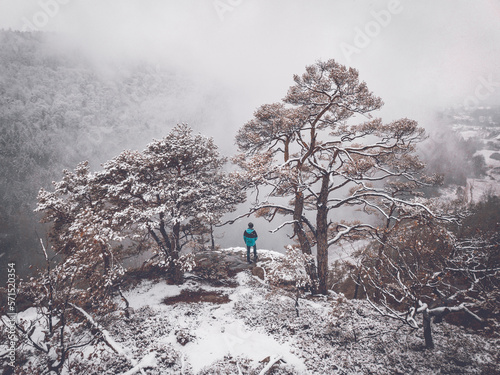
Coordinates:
416	55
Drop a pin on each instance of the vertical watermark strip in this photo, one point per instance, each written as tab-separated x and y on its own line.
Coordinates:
11	313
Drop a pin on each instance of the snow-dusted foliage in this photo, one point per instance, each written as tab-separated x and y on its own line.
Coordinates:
51	331
254	331
174	191
83	233
290	274
421	266
291	270
338	336
311	149
169	195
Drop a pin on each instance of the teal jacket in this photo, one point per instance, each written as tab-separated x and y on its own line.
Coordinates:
250	237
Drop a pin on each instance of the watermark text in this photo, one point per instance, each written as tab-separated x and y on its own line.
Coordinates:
364	36
39	20
223	6
11	313
484	89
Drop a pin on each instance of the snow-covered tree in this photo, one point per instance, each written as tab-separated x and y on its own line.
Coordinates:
82	232
62	329
290	273
170	193
170	190
173	191
56	331
421	266
311	149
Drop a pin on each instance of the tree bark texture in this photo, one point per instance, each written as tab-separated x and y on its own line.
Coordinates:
429	343
305	245
322	236
298	228
175	268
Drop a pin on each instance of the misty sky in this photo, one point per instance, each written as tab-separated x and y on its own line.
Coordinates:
414	54
417	55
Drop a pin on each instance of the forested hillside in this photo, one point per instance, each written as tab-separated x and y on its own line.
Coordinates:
57	109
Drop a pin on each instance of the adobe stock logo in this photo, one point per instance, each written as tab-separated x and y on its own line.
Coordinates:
48	9
485	88
224	6
363	37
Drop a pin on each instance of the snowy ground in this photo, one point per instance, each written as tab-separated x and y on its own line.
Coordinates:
255	329
212	331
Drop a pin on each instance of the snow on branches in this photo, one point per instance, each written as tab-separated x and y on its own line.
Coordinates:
311	149
291	273
420	265
169	194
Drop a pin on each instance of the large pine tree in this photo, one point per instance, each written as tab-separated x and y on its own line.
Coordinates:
312	149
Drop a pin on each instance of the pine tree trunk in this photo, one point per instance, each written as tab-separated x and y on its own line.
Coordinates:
107	261
358	281
212	237
322	236
171	253
159	243
166	239
176	233
429	343
303	240
298	228
175	268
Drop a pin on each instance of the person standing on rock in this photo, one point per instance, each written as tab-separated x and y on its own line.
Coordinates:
250	237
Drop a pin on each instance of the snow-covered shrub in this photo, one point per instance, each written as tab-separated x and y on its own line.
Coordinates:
423	268
343	277
187	262
183	336
290	272
230	366
167	356
335	335
103	361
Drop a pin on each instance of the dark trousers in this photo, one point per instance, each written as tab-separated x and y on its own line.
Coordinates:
254	252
